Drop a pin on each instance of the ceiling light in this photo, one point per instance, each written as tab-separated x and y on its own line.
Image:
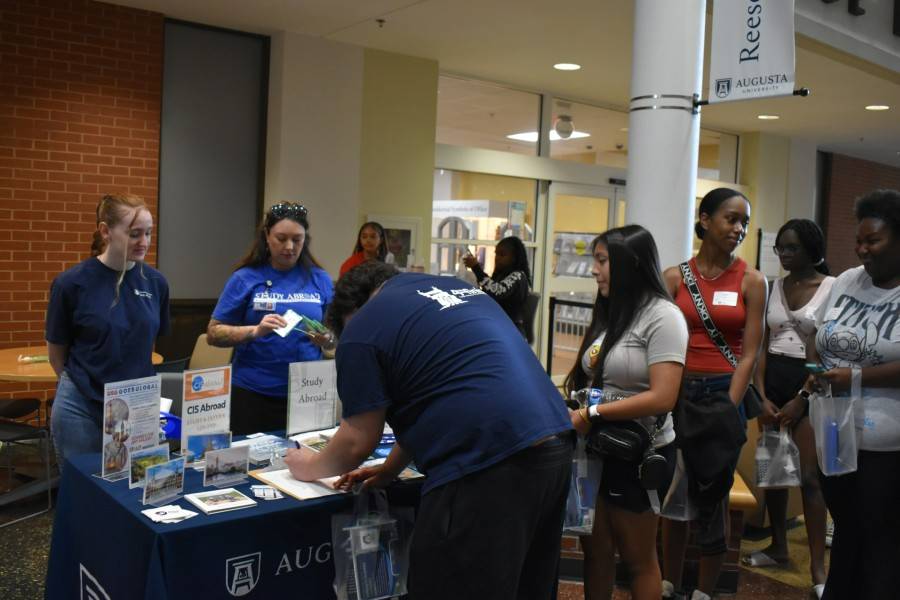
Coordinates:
566	67
878	107
532	136
768	117
624	130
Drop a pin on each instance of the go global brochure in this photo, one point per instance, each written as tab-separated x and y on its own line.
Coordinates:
206	407
130	423
218	501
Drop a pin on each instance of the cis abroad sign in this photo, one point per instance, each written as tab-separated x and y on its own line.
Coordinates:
752	54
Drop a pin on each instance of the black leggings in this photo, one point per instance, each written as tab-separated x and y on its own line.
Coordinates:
865	553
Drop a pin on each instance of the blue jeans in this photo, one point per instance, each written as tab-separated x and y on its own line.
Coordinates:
76	423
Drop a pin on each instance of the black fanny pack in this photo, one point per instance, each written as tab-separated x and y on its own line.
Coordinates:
630	442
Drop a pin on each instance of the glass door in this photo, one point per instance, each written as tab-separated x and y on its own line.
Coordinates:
576	215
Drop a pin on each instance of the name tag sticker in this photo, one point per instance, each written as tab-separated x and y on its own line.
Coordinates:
725	299
268	305
832	314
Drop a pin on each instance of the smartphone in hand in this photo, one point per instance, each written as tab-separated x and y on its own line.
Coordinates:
815	368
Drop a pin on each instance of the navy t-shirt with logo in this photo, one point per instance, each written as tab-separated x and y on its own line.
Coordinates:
462	388
108	340
253	292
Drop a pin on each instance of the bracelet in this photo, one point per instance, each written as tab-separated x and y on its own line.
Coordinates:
594	414
582	415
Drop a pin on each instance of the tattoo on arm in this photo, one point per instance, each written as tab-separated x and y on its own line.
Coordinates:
225	336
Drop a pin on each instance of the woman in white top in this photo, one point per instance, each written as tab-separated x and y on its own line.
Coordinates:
635	346
780	374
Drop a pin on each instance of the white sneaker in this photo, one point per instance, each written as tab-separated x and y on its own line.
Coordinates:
698	595
668	589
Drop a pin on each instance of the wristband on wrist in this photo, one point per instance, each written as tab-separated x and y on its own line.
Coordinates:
595	415
805	394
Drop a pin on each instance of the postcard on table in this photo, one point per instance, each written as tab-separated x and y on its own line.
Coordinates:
198	445
142	459
217	501
226	466
164	481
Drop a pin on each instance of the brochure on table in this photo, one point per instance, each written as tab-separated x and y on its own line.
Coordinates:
164	482
226	466
312	396
206	407
130	422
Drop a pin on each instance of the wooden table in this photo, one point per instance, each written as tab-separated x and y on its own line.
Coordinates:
12	370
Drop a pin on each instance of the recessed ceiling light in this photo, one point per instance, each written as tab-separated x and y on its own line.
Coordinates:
768	117
566	66
532	136
878	107
624	129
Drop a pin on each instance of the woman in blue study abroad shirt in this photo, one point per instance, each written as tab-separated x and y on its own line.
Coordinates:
277	275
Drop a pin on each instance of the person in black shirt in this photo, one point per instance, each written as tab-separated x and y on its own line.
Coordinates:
511	280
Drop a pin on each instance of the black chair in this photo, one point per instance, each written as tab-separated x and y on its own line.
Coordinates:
13	433
530	311
173	366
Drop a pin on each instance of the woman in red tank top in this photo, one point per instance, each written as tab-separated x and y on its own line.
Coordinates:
735	296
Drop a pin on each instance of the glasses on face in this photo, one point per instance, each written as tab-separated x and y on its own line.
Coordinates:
284	210
791	249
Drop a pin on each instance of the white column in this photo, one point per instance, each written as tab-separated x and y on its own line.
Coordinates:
663	129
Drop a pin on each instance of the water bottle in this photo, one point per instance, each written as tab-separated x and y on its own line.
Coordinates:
592	396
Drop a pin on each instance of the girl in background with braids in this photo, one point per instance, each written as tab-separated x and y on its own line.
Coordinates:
103	318
781	373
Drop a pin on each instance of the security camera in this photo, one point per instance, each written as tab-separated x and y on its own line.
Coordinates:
564	126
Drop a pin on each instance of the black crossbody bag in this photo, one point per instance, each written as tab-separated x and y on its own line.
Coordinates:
630	442
752	400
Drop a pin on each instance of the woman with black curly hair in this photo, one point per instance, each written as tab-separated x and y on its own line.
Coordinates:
858	342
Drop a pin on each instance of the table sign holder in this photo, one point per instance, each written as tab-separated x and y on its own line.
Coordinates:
206	404
130	423
312	396
164	483
227	467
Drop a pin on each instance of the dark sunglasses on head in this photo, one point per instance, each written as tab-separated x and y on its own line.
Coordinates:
284	210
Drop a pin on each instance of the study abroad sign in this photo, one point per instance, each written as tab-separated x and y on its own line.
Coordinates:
752	54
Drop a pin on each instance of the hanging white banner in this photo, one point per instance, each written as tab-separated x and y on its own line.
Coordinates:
752	54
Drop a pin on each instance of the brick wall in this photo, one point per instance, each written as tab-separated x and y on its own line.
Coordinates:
80	87
848	179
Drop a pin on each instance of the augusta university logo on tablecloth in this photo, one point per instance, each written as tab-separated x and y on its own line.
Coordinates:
242	573
89	586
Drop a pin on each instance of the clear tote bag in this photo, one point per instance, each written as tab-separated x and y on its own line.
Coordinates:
583	487
834	424
371	549
677	505
777	460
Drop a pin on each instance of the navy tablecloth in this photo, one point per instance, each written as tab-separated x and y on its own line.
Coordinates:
103	547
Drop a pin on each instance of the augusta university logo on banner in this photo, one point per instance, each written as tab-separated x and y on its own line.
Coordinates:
752	54
242	573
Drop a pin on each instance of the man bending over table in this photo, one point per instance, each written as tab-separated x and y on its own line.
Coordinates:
470	404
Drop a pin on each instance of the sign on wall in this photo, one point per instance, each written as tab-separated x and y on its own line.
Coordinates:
752	53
